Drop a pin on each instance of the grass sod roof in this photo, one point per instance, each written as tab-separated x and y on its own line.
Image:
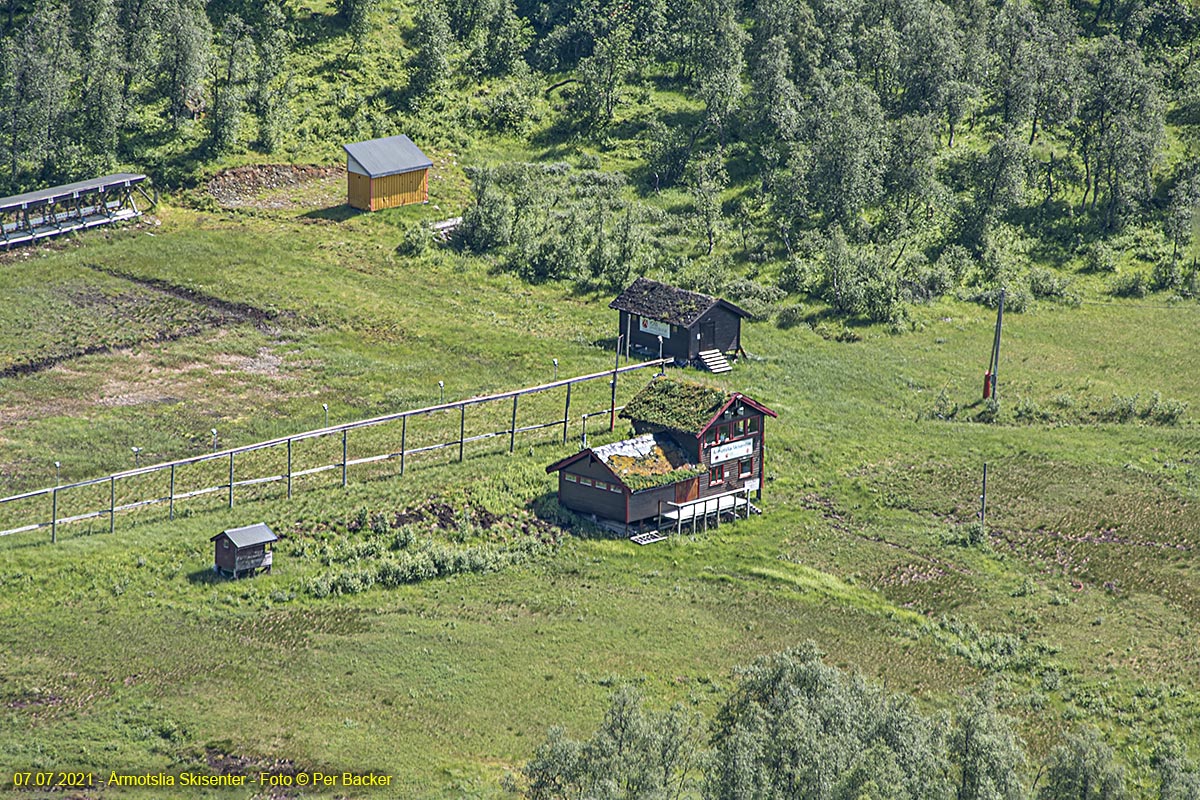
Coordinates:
677	405
648	461
661	301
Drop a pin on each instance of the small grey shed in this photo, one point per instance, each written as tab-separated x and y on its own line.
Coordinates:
243	551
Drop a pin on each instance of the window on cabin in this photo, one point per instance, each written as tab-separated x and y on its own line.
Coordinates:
746	468
752	425
612	487
710	437
225	544
601	485
723	433
739	428
570	478
585	481
716	475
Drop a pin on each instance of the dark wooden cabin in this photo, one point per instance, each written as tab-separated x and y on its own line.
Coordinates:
688	322
243	551
694	442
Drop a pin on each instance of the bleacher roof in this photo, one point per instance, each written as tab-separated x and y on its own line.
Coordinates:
68	191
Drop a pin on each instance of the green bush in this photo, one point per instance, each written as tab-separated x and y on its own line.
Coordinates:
1043	283
415	240
1132	285
955	261
798	275
1099	257
1121	409
990	410
790	316
931	281
1028	411
943	407
968	534
757	299
1167	274
1016	299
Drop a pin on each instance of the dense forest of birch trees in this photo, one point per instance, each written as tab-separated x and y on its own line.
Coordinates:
880	151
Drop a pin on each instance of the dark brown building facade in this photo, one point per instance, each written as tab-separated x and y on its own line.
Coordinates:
243	551
688	322
694	442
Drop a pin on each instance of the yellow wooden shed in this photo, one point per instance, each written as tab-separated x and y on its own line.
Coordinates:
385	173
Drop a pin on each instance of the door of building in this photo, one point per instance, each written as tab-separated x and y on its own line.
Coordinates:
686	491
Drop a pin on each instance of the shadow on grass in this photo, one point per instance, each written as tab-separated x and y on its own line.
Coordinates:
205	577
338	213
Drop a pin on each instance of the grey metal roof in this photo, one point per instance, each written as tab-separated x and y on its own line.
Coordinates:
390	156
638	447
53	193
258	533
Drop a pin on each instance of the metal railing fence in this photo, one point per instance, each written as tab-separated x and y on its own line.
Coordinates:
172	469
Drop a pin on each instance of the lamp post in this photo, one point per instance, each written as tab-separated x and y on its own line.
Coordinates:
136	452
57	476
661	370
214	433
555	369
441	392
325	408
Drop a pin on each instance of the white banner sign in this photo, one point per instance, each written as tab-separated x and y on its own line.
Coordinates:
751	485
728	452
654	327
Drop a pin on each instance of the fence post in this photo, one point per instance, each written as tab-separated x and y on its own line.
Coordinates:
512	433
54	516
628	334
612	412
171	495
231	480
462	429
345	435
289	468
112	503
403	437
566	413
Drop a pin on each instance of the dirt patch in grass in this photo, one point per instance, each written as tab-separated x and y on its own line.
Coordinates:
34	700
444	516
265	362
279	186
151	311
224	763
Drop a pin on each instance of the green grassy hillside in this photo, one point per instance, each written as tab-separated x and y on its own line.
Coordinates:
431	626
124	655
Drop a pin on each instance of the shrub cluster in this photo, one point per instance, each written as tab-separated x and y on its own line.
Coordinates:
428	541
1158	410
430	560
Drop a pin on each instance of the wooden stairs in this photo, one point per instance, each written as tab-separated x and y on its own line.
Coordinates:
714	361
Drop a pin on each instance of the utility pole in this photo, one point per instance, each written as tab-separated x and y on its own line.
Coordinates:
993	388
